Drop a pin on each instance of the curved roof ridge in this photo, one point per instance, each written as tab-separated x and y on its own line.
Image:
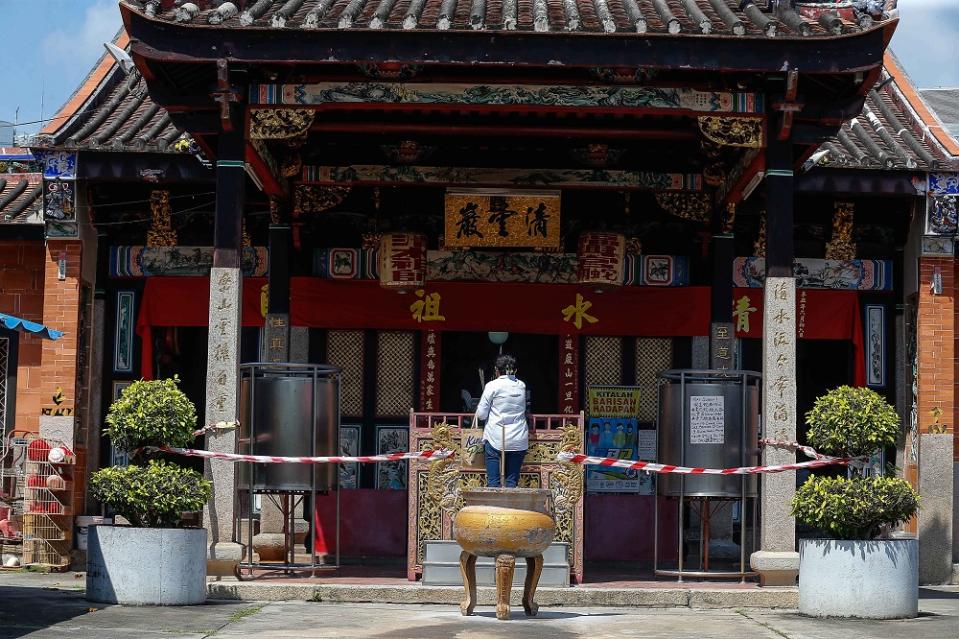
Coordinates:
80	98
934	132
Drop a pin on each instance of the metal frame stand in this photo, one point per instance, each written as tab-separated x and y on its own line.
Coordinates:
704	571
289	499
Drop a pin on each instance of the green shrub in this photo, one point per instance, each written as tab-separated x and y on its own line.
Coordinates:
852	422
151	413
154	495
855	508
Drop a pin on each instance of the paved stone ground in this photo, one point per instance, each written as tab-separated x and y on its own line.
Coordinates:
52	606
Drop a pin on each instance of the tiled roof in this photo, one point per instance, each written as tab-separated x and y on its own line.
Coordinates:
746	18
888	134
945	104
111	112
20	198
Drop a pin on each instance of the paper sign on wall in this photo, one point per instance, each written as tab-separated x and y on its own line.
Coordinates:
707	419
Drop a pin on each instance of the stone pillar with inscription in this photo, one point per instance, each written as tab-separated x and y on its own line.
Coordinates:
777	561
223	345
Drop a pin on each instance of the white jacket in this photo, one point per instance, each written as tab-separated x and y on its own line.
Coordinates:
503	404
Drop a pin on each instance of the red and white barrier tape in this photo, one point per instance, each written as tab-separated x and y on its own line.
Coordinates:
653	467
269	459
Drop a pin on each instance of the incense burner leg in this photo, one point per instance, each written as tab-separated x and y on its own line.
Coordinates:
468	570
505	564
534	568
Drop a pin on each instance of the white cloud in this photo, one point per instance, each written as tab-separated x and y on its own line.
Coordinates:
927	41
80	47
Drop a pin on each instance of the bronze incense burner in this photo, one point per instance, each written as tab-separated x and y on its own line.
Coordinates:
504	523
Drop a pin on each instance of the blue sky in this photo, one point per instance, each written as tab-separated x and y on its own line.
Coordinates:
50	45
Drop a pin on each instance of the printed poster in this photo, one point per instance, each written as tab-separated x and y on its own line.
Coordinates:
613	430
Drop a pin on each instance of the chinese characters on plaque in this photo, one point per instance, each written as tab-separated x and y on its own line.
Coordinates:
569	375
476	218
402	260
430	360
601	259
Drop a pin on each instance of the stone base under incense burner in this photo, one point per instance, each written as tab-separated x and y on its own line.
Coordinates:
504	523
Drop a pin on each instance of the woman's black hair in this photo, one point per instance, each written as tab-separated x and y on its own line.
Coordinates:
506	364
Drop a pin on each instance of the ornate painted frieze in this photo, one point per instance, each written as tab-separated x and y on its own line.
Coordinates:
147	261
496	266
942	217
578	96
57	165
494	177
861	275
943	184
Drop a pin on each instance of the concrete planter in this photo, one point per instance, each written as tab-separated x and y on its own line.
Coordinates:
146	566
866	579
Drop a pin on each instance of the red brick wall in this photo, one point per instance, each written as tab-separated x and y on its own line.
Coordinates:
61	310
21	294
936	343
30	288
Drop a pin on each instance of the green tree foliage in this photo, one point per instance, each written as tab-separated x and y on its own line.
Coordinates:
154	495
151	413
852	422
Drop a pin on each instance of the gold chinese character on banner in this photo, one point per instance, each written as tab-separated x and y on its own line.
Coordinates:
742	311
427	307
576	313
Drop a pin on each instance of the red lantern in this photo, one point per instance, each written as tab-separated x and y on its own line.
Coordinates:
402	260
601	257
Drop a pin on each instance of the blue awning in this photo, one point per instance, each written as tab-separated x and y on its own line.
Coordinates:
19	324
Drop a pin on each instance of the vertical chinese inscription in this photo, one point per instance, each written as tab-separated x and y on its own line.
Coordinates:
430	371
402	260
569	374
722	346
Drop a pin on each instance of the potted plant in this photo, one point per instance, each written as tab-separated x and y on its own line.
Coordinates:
858	570
153	561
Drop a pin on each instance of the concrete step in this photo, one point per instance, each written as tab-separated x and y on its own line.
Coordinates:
413	593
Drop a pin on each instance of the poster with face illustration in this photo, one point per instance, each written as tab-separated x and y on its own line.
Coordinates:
613	430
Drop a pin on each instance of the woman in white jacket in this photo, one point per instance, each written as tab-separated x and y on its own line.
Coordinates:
503	408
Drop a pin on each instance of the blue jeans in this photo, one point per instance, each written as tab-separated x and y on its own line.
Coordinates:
514	459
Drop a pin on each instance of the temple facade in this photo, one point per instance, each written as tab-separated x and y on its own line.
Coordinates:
607	190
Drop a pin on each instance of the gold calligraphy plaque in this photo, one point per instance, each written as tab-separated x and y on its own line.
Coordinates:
517	219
